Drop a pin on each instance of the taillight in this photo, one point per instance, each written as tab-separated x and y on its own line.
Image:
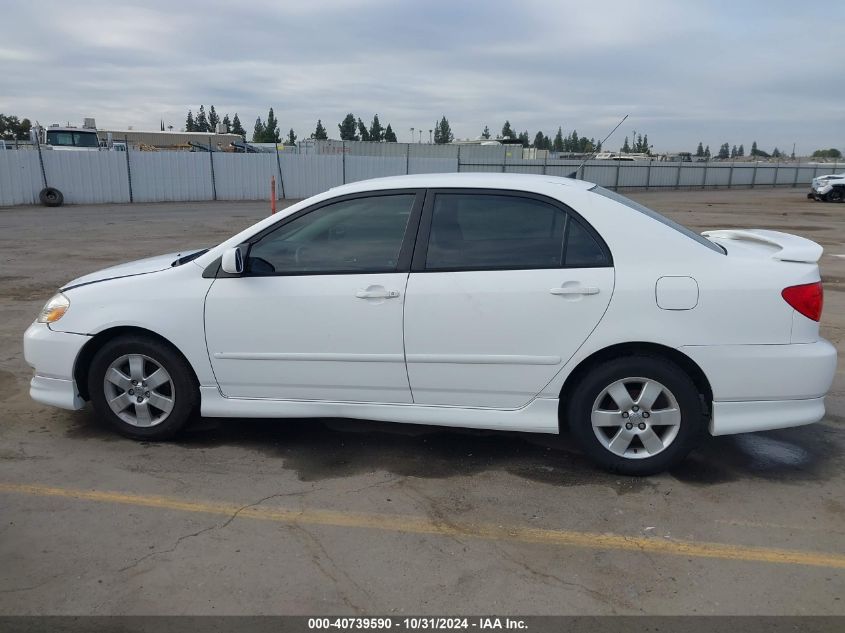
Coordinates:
808	299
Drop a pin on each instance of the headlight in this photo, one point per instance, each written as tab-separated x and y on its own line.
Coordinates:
54	309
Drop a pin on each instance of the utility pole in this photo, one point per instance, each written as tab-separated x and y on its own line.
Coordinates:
412	135
429	137
420	131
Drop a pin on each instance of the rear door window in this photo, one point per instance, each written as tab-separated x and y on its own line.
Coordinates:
500	231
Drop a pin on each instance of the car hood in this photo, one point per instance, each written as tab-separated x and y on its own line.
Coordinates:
129	269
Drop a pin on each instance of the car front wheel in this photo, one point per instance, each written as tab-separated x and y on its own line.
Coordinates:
144	388
637	415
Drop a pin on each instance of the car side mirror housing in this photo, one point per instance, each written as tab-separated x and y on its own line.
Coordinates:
233	259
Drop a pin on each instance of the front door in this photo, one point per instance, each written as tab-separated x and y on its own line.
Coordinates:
506	290
317	315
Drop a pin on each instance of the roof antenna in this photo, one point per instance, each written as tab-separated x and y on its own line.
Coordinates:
574	174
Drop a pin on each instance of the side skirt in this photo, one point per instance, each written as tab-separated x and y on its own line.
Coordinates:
538	416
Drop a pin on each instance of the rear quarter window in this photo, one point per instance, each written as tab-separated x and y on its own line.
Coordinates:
654	215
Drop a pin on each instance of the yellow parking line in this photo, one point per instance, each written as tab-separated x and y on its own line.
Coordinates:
422	525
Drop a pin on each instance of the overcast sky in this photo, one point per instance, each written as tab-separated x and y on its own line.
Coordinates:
716	71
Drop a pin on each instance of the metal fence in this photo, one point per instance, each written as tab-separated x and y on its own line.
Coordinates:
137	176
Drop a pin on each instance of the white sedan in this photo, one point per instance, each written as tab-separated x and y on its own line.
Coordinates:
491	301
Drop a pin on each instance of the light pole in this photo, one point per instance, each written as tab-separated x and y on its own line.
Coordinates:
412	135
429	137
420	131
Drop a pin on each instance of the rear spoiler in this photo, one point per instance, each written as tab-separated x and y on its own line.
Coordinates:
785	246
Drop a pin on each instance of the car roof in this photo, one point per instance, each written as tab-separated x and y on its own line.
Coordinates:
521	182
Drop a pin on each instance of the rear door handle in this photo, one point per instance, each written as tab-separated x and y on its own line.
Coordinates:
377	294
575	290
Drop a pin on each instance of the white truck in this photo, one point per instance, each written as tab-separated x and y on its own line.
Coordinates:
70	138
67	138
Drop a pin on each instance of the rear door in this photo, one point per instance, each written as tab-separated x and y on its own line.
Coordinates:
504	288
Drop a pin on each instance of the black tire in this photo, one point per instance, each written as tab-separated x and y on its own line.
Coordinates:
693	420
835	195
182	387
51	197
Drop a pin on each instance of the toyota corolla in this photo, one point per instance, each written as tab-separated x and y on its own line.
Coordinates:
492	301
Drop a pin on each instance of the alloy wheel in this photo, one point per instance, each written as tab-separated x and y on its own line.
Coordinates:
636	417
139	390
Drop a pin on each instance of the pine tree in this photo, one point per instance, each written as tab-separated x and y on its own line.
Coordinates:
626	147
538	140
507	132
638	147
486	132
291	139
443	132
376	130
190	125
754	150
558	142
776	153
201	124
733	152
258	132
363	131
741	151
522	137
724	151
646	147
237	128
348	129
227	124
320	132
271	129
699	151
213	120
707	152
389	134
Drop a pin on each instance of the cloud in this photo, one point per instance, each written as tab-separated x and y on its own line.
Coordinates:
716	72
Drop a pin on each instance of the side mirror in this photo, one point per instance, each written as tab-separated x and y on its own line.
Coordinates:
232	261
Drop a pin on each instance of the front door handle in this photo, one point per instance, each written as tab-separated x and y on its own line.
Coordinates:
575	290
376	293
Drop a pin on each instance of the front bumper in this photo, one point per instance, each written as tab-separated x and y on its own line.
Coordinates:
761	387
53	355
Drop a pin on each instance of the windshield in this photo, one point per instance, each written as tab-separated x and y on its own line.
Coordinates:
636	206
72	139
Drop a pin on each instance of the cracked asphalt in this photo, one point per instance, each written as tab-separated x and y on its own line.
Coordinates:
353	517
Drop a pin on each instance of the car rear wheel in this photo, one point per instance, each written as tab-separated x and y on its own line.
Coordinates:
836	194
142	387
637	415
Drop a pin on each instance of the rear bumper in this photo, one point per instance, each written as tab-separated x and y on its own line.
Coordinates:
760	387
797	371
764	415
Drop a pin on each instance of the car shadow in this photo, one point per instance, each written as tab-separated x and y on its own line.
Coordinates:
317	449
